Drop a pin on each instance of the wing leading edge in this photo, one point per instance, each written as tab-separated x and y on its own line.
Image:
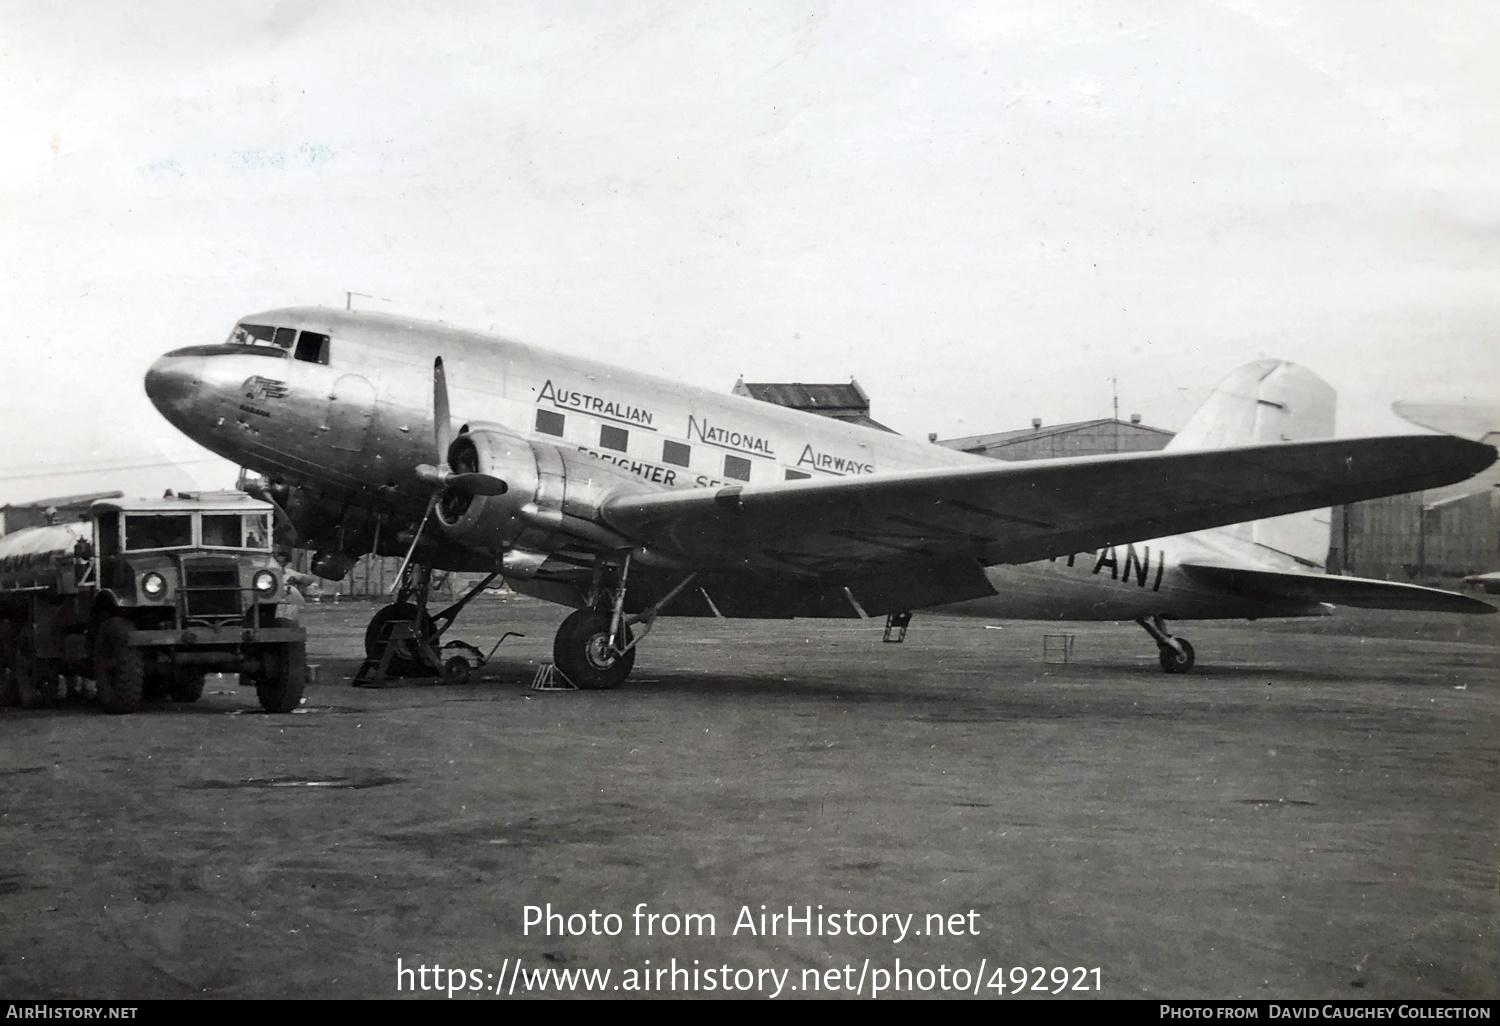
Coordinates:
995	512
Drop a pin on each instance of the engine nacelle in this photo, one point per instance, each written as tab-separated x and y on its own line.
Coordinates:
495	523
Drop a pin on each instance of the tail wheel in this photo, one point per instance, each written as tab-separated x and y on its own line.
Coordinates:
283	673
118	670
581	651
1174	661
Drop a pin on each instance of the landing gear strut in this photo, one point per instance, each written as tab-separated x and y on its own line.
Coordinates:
1176	654
595	647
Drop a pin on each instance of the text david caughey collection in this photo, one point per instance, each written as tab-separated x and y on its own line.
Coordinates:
806	921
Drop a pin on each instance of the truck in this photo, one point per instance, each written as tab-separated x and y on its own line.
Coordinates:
146	598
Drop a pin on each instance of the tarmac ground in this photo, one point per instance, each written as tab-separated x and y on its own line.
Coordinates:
1311	813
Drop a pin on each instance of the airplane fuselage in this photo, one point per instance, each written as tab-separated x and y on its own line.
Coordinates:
340	411
1124	582
363	419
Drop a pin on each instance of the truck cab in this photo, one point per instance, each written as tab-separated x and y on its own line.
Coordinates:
147	598
195	559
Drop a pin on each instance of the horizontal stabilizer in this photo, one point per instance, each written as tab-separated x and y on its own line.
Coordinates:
1339	591
1474	421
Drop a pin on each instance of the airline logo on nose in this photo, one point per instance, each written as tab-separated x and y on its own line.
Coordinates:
258	387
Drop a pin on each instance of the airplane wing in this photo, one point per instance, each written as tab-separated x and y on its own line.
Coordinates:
1340	591
995	512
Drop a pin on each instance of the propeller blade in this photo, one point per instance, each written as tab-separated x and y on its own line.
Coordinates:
471	483
442	428
477	484
406	560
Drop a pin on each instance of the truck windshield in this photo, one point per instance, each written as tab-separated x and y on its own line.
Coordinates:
158	531
236	531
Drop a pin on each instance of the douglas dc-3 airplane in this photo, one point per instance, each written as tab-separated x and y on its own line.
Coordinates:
1263	568
627	496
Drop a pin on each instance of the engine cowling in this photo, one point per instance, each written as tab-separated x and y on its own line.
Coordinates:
494	523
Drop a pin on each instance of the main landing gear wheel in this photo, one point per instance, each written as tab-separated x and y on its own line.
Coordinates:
581	651
1174	661
405	662
119	673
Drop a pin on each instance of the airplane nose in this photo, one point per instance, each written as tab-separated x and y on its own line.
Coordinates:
173	381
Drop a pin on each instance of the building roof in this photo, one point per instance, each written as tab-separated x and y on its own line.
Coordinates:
846	402
1000	439
801	396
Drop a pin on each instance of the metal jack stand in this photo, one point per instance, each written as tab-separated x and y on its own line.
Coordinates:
895	628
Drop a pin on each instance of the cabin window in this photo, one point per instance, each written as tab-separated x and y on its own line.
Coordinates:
158	531
284	336
676	453
549	423
613	437
737	468
796	475
312	347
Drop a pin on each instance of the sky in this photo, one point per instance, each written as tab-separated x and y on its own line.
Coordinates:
983	212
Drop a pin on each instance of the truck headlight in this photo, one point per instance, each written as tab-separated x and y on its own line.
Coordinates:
265	583
154	585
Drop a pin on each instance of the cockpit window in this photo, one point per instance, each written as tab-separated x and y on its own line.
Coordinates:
261	335
312	348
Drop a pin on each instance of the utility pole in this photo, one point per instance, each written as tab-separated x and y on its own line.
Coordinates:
1114	389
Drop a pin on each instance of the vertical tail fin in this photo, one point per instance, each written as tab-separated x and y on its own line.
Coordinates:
1263	403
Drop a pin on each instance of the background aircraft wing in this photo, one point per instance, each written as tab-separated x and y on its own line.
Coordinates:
997	512
1341	591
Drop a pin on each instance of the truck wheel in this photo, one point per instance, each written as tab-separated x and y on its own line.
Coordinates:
186	687
36	684
119	672
280	690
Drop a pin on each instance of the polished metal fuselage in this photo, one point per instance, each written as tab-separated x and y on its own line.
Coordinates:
346	438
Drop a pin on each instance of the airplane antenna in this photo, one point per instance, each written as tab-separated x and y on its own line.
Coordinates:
349	298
